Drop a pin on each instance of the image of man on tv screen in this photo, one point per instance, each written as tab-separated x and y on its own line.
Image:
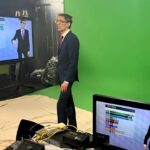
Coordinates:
22	37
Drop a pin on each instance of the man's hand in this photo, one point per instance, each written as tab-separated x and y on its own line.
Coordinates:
28	54
144	147
64	86
14	42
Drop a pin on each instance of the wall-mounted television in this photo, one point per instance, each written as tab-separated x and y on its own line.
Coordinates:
9	47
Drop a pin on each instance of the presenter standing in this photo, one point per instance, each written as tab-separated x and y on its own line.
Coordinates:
68	52
22	36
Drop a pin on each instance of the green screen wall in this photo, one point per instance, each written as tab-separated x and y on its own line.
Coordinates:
114	48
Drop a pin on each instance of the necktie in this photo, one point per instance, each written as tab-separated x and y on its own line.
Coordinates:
59	43
22	33
61	40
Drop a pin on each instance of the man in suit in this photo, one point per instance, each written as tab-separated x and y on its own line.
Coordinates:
22	36
68	52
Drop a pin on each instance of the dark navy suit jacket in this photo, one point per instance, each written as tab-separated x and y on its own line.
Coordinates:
68	54
23	43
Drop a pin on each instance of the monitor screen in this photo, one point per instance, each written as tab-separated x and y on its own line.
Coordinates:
120	123
9	44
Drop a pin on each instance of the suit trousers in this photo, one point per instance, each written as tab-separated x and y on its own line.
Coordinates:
23	68
66	108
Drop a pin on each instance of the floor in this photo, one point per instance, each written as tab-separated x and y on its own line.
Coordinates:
36	108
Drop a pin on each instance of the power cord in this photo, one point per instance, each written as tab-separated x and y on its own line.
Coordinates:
48	131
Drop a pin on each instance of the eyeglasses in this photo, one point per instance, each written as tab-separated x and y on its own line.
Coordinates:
60	21
23	22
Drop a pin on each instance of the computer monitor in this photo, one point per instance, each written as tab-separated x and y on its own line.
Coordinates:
119	123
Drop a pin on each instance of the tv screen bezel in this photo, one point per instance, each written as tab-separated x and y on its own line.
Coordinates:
14	61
